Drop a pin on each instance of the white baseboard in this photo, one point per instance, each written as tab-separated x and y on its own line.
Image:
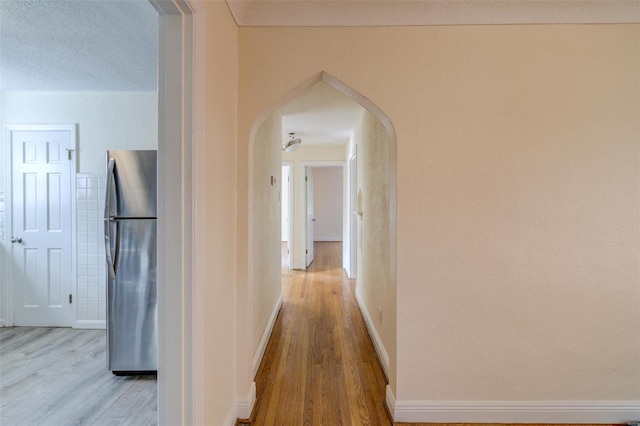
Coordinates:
513	411
262	346
230	419
377	342
390	399
245	405
90	324
298	266
330	239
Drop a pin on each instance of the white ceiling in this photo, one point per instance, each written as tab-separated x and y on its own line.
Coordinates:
430	12
320	115
78	45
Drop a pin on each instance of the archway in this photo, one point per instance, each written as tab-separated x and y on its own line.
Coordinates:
376	288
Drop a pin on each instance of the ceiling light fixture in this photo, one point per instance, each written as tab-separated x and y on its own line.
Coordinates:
292	144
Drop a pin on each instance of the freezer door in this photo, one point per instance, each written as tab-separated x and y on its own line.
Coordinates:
131	184
131	297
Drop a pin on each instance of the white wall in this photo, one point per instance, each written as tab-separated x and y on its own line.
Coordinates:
328	188
105	120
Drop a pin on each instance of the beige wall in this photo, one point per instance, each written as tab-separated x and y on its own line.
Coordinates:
266	223
517	202
376	281
216	378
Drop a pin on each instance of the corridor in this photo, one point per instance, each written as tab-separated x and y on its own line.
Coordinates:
320	366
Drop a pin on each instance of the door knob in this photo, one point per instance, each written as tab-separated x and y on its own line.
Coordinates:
16	240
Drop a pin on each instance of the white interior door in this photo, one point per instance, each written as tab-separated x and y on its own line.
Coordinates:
41	226
308	172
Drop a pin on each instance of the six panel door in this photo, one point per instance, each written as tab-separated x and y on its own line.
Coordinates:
41	231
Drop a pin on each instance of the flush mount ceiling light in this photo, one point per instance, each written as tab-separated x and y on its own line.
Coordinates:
292	144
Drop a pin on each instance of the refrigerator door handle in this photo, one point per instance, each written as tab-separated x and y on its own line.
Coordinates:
109	220
116	255
111	166
107	242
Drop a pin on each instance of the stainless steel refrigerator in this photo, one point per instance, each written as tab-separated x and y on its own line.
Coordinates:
131	249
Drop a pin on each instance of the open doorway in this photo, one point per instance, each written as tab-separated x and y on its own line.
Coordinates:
173	105
324	193
373	175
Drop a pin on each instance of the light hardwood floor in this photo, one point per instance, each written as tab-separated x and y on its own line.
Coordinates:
58	376
320	366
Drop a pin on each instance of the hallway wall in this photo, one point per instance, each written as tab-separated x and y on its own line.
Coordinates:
518	215
376	278
266	256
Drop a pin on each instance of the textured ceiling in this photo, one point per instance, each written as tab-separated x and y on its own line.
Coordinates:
78	45
320	115
430	12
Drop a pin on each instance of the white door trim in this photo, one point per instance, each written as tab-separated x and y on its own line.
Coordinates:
303	212
181	88
289	164
7	314
351	255
308	212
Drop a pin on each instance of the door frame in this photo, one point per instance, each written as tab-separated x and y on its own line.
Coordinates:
181	113
181	129
6	285
308	195
302	214
290	165
352	221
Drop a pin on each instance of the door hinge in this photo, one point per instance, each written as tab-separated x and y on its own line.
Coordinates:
69	154
70	299
306	252
306	178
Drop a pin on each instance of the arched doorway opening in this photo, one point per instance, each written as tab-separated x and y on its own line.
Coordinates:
372	189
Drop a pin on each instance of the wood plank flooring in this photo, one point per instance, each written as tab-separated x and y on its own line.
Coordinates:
320	366
58	376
